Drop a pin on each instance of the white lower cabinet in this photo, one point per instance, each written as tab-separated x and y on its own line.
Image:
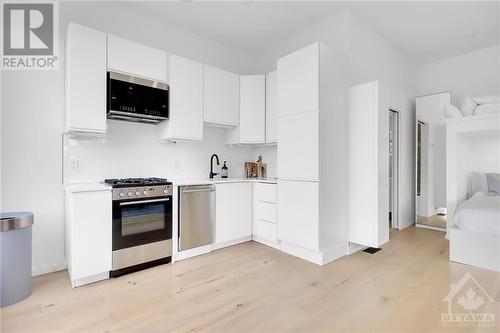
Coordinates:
264	231
88	233
265	214
298	213
233	213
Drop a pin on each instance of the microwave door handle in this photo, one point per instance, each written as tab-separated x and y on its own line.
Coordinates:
143	201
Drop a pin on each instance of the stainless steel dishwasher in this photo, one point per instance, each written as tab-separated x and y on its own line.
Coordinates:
196	216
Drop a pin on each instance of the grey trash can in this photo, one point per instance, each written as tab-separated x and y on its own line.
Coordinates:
15	257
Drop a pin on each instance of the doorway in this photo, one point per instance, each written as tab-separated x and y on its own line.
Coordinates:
393	168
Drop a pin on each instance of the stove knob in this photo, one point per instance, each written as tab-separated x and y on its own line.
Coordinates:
122	195
137	193
165	191
130	194
145	192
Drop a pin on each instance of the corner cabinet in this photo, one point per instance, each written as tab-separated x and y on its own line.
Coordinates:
233	213
85	82
252	128
221	97
129	57
186	101
88	233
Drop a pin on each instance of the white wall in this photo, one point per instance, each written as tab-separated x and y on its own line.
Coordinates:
478	152
33	112
374	58
472	74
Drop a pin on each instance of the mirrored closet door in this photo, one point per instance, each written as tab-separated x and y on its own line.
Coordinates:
430	159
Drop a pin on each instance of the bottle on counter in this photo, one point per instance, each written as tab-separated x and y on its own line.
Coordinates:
224	171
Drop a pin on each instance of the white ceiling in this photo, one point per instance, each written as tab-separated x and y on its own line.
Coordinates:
424	30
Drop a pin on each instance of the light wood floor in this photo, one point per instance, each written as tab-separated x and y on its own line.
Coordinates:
251	287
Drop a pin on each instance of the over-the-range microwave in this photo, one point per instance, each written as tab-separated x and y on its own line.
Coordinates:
136	99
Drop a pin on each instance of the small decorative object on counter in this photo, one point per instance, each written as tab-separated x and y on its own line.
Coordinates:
251	170
261	168
224	171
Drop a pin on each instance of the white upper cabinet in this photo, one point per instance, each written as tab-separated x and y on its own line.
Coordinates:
252	127
186	101
252	108
85	84
298	148
298	81
133	58
221	97
271	108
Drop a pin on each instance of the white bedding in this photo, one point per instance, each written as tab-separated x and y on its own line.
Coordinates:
480	213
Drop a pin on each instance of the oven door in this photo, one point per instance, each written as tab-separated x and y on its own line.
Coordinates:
138	222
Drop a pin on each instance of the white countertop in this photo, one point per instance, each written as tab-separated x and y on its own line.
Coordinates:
188	181
86	187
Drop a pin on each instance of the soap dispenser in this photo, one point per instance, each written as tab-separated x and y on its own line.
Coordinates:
224	171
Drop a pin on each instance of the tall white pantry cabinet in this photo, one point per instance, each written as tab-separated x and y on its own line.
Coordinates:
369	164
304	111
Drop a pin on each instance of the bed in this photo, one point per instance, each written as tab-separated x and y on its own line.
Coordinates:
475	233
480	213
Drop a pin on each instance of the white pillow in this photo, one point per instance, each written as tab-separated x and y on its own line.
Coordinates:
488	108
451	111
478	183
468	106
487	99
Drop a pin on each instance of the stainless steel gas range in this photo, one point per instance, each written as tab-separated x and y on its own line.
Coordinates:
142	223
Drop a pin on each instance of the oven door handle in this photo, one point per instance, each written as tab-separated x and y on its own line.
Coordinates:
143	201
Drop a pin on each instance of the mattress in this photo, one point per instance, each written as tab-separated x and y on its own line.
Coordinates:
480	213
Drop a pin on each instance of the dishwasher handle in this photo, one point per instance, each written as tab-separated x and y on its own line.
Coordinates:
200	190
196	188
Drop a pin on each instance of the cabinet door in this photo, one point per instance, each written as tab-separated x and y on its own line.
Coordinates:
133	58
298	213
221	97
85	82
233	211
298	137
271	108
91	233
186	100
298	81
252	108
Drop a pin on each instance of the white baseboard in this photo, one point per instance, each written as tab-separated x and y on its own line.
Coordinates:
193	252
233	242
266	242
317	257
45	269
89	279
353	248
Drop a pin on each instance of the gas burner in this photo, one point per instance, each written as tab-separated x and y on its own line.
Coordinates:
130	182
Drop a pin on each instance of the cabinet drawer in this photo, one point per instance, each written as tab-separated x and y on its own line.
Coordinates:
265	230
265	211
265	192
